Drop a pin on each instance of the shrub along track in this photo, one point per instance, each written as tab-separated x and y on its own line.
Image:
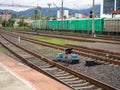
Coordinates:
98	56
76	37
61	73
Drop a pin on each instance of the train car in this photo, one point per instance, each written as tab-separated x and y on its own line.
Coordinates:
86	24
38	24
70	25
35	24
52	25
63	25
57	25
112	25
101	25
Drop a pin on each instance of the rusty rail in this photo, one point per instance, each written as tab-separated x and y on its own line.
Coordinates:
62	47
91	80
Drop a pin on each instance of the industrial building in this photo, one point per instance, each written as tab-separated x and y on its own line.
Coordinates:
5	16
108	6
65	13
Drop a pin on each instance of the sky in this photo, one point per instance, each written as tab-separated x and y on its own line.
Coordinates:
73	4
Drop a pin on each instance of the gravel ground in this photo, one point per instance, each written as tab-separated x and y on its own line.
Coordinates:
105	46
107	73
5	51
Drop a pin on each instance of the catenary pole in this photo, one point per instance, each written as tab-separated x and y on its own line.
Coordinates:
93	16
49	4
62	13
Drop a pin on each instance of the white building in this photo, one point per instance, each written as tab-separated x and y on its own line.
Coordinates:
108	6
5	16
65	13
79	15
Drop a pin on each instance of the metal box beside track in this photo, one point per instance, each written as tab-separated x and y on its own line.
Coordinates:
71	58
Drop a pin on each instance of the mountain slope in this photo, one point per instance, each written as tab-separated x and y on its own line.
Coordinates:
53	11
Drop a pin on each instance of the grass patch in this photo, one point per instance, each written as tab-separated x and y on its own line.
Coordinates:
54	40
1	49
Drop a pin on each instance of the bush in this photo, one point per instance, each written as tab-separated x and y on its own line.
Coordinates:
8	23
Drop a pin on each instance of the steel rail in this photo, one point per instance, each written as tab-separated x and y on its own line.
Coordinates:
106	55
62	47
89	79
70	38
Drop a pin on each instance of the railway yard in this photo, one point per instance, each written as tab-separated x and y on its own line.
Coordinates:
99	57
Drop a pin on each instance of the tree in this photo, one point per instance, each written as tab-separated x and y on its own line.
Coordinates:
4	23
0	20
8	23
47	18
54	18
21	22
35	16
36	12
64	17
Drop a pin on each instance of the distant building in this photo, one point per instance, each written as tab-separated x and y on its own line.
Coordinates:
79	15
65	14
5	16
108	6
28	21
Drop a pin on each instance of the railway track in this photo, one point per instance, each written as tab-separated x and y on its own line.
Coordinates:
95	49
99	57
76	38
76	35
83	36
63	74
105	54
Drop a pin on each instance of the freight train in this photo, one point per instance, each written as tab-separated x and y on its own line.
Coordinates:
101	25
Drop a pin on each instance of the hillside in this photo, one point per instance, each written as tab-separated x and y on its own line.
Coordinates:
53	11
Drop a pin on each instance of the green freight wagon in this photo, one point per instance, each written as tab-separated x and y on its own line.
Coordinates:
86	24
99	24
43	24
77	24
53	25
57	25
38	24
34	24
63	25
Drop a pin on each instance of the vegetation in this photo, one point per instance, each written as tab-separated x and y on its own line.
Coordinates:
64	17
8	23
54	19
21	23
1	49
47	18
54	40
35	16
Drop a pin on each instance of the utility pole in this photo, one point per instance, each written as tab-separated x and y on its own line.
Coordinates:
93	31
41	11
62	13
49	4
